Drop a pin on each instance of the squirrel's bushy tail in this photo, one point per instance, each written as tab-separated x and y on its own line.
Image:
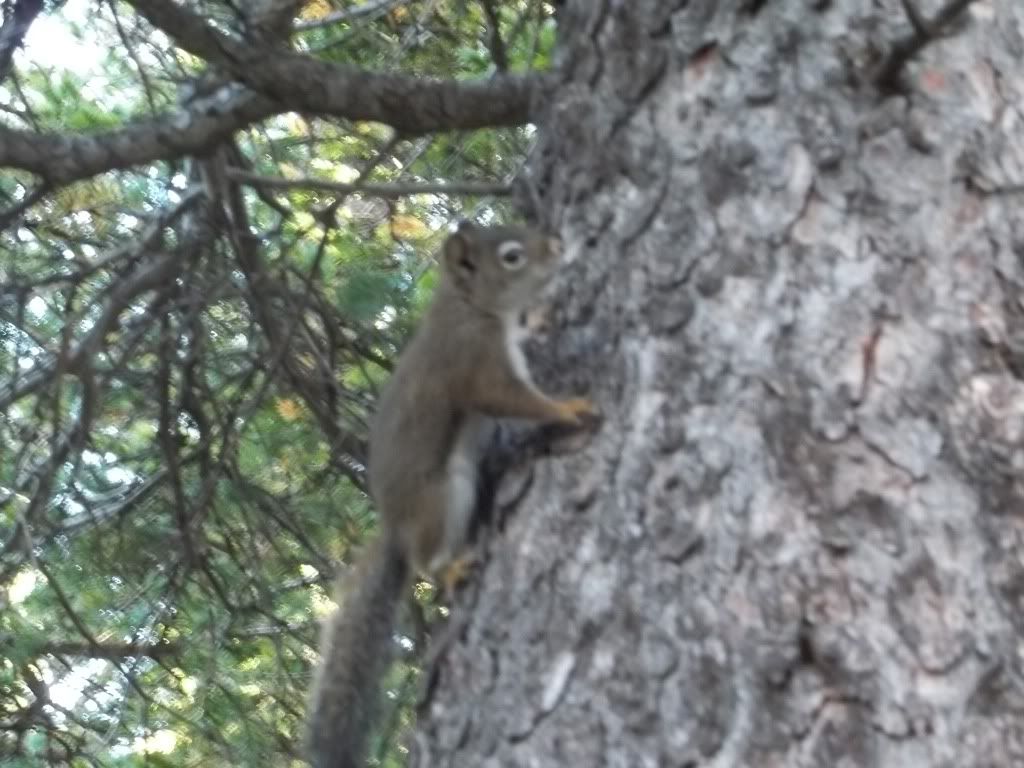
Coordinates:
355	652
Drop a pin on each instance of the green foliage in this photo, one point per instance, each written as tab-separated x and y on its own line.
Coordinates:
174	501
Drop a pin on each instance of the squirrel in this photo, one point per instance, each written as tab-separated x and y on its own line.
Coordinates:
462	368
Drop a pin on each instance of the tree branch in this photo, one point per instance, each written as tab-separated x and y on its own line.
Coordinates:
17	19
62	158
413	105
408	103
498	53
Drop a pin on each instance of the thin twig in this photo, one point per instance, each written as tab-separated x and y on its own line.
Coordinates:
10	216
147	86
371	10
379	190
108	649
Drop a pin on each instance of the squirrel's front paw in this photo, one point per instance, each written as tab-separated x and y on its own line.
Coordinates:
580	410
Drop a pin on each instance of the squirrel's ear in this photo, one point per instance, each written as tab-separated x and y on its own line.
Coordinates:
459	257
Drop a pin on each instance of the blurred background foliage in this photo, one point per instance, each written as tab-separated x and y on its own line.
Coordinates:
189	352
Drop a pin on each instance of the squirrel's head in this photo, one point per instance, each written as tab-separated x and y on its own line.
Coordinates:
502	268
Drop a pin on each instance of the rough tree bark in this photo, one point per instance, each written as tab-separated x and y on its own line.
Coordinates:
795	290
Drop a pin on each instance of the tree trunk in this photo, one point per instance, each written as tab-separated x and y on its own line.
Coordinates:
795	291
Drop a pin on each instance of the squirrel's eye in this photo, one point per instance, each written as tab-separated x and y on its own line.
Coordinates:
512	254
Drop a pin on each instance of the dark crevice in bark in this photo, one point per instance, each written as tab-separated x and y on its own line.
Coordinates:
889	74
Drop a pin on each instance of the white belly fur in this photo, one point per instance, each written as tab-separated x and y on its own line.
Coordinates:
464	462
515	334
463	466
